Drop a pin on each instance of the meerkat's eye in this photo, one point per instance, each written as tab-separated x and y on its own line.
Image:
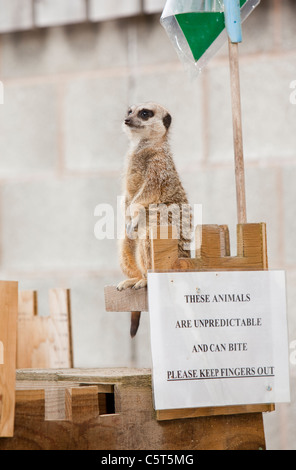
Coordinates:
145	114
129	112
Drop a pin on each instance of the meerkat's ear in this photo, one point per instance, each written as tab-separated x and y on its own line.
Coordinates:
167	121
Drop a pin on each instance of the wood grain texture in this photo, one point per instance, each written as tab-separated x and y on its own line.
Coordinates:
132	426
215	250
164	247
44	342
8	334
82	403
237	133
164	415
129	300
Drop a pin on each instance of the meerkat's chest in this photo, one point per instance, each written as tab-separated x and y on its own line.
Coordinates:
134	181
135	176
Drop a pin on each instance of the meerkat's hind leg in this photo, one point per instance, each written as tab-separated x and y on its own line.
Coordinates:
128	264
127	283
143	261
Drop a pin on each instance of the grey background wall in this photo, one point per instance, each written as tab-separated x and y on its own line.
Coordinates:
70	69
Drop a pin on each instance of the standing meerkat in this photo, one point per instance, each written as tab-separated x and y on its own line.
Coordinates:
151	181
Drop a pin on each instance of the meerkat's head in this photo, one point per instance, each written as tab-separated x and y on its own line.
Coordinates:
147	121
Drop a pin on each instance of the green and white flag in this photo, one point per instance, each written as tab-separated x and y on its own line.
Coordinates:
197	28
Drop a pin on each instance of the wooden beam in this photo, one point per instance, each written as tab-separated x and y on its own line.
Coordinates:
164	247
8	334
129	300
166	415
82	403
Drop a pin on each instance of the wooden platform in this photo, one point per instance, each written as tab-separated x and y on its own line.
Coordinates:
112	409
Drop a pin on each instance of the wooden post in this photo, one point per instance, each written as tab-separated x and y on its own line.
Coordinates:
8	331
232	14
44	341
237	133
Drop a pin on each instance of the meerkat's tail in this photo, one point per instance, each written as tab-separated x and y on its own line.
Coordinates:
135	321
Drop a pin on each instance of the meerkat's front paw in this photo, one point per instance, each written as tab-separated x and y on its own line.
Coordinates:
127	283
141	283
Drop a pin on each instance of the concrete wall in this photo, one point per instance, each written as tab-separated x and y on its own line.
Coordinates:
66	90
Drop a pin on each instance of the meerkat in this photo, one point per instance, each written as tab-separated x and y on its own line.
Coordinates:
150	180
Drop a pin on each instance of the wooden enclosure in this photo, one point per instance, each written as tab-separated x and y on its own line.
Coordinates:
111	409
28	340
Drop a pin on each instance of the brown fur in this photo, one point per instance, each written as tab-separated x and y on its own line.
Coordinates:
150	178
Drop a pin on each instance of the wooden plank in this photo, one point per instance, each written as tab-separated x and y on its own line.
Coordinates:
227	263
86	401
82	403
251	250
213	241
54	387
252	244
60	314
8	333
44	342
165	415
129	300
164	247
128	376
31	403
